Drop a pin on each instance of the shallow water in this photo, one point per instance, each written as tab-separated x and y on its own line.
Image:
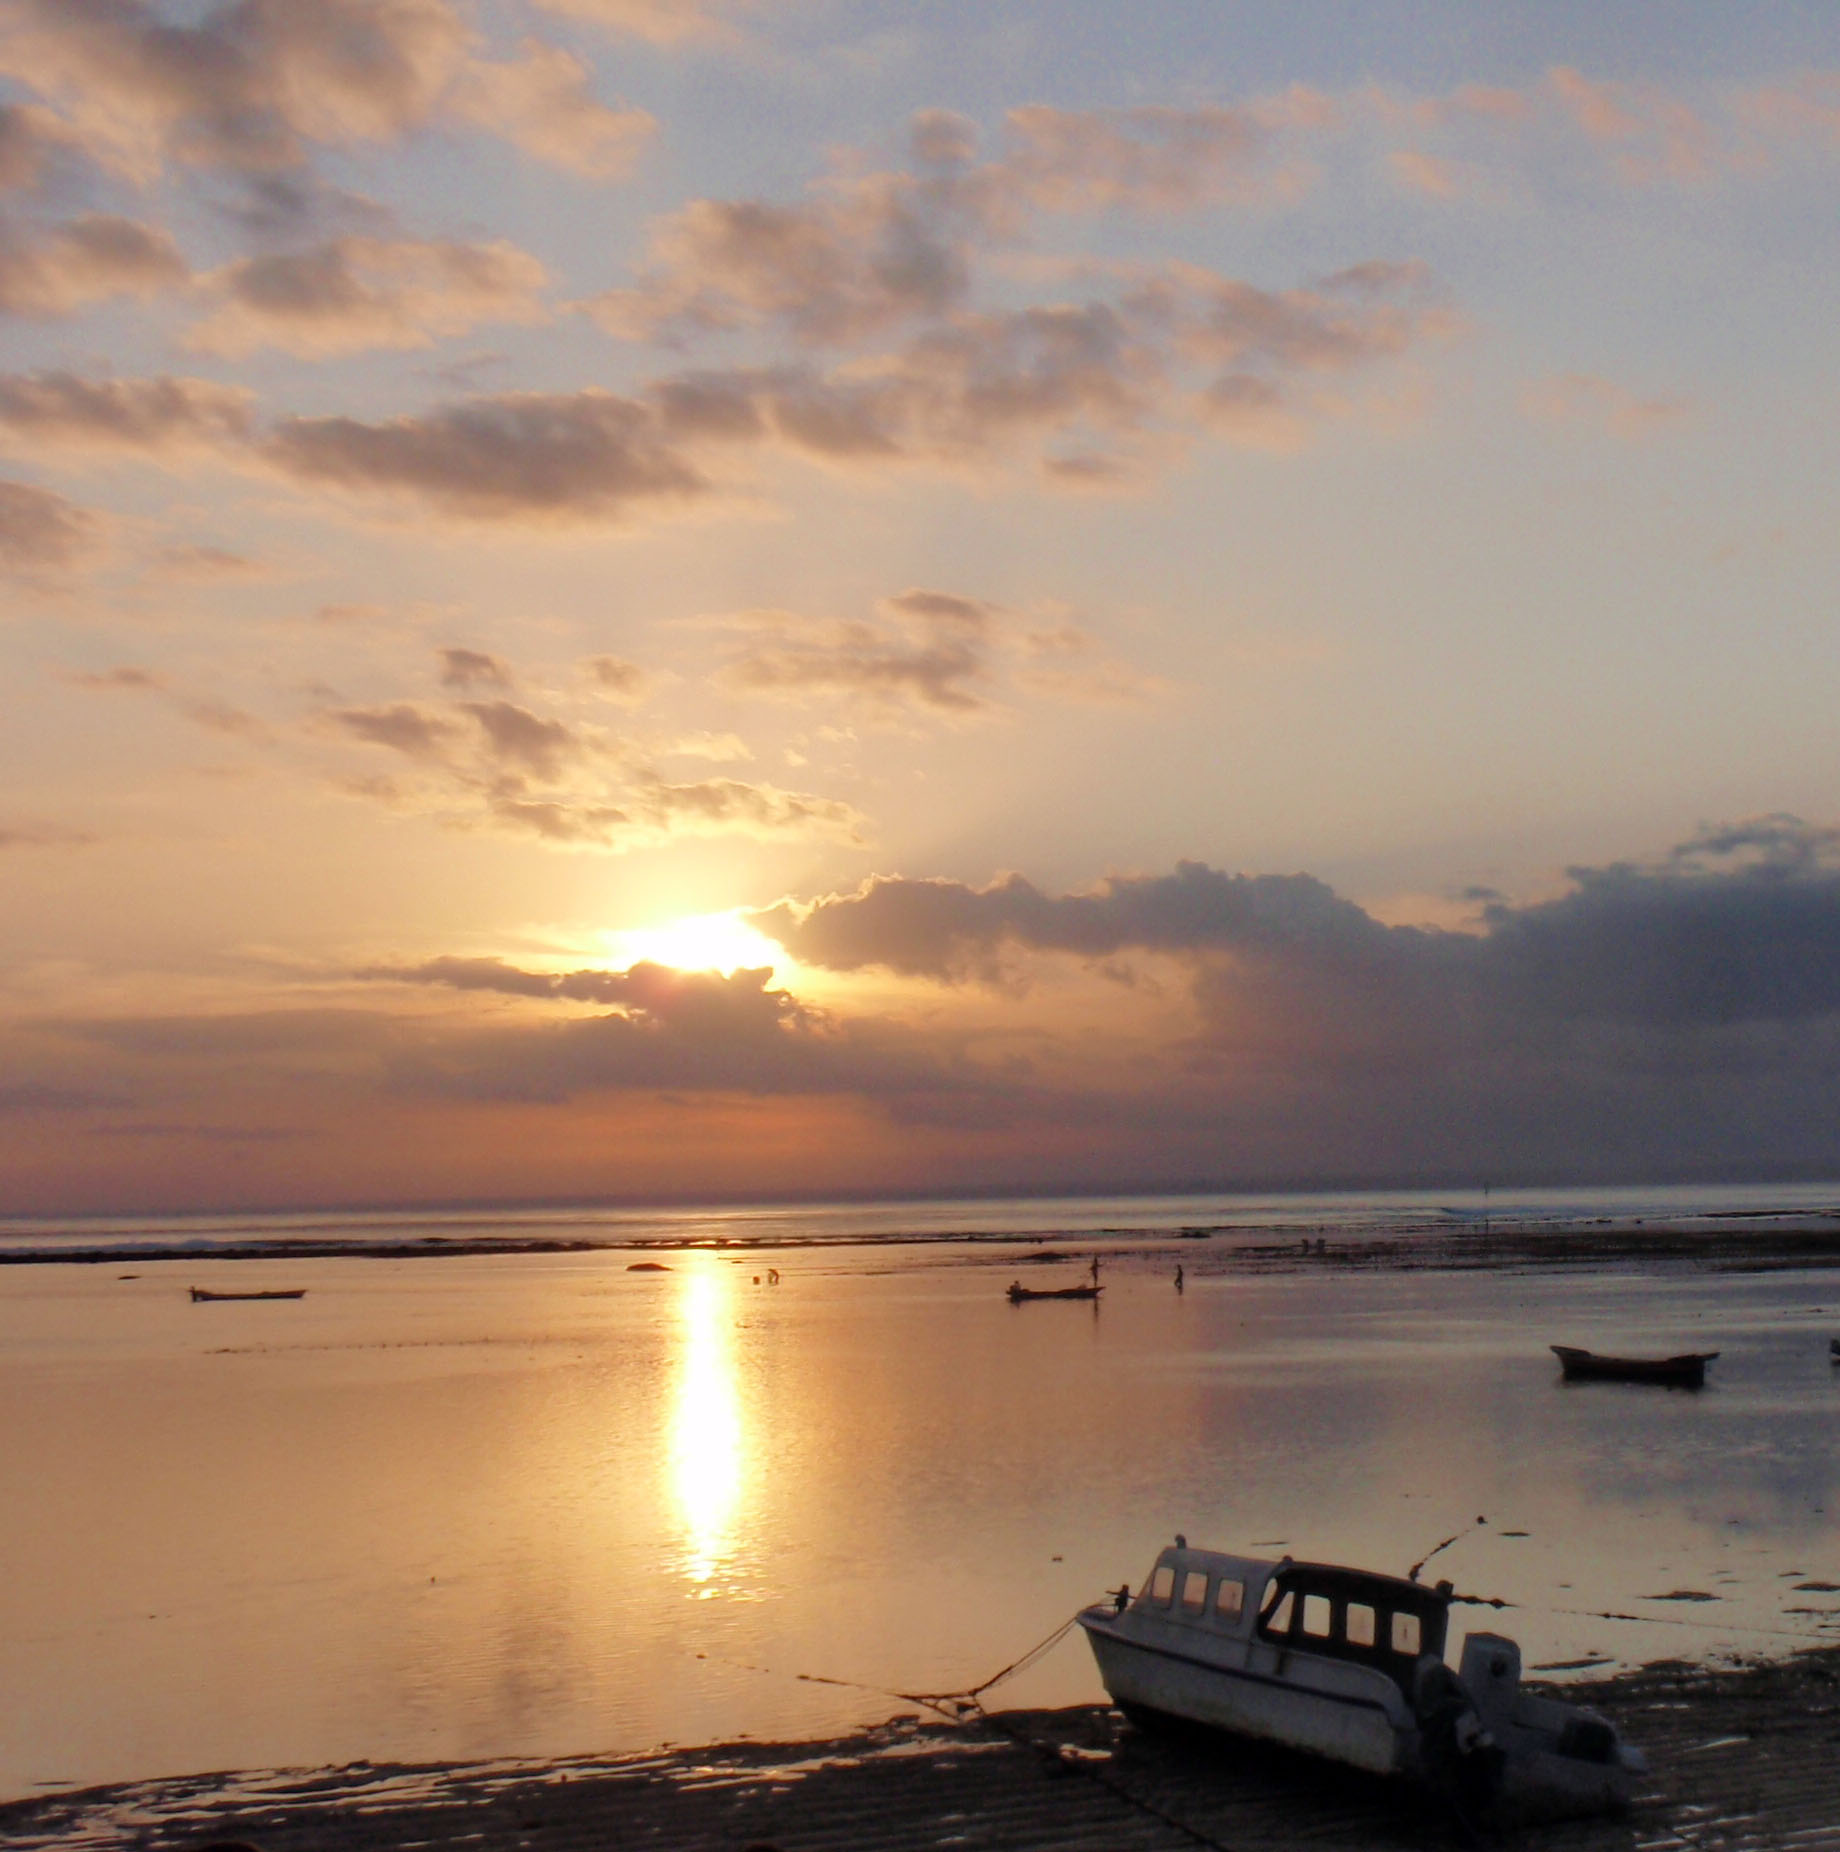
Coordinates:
538	1504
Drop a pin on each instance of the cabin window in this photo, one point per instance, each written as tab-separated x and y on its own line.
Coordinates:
1278	1616
1162	1585
1405	1634
1194	1591
1318	1616
1229	1599
1359	1626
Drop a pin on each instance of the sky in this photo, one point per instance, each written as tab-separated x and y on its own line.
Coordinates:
709	599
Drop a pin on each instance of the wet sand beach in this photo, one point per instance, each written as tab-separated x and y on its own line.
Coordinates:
1740	1757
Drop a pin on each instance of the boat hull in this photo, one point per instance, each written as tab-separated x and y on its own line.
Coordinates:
1349	1725
1683	1372
201	1296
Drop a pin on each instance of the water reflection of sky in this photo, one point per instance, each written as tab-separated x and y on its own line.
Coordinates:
539	1504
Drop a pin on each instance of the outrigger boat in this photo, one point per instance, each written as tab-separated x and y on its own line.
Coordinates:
1349	1665
1018	1292
201	1296
1687	1371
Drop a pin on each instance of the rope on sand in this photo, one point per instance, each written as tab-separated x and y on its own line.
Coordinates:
961	1707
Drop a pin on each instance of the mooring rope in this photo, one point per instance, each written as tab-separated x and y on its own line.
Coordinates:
959	1707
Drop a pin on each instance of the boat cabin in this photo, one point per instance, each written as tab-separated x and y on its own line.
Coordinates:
1374	1620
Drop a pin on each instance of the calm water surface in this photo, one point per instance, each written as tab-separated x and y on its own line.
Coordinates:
539	1503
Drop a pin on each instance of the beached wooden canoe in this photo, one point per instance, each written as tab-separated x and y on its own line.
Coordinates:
1018	1292
1687	1371
201	1296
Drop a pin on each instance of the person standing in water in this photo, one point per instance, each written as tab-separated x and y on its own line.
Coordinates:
1178	1276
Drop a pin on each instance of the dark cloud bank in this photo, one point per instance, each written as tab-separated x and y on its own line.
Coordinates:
1672	1019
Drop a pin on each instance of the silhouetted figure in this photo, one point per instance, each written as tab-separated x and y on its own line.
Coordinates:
1121	1597
772	1276
1178	1277
1095	1269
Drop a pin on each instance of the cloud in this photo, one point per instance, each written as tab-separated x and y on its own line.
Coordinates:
206	711
1425	173
718	748
125	677
658	991
616	679
542	458
948	931
1098	390
247	85
826	271
402	727
543	103
928	650
662	22
471	668
30	139
44	836
501	765
1655	135
40	531
516	737
721	806
689	1031
65	411
1805	108
208	564
84	260
33	1097
1583	399
1740	924
873	252
254	86
349	294
1148	159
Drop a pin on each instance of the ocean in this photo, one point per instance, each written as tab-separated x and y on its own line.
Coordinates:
536	1503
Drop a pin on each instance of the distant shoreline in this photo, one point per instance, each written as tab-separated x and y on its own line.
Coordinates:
1767	1241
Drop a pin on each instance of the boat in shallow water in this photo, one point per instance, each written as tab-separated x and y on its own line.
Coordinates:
1018	1292
1687	1371
1349	1665
201	1296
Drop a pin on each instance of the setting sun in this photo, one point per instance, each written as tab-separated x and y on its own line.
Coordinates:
704	942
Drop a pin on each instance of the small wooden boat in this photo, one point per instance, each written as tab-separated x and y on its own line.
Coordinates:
1018	1292
201	1297
1687	1371
1349	1665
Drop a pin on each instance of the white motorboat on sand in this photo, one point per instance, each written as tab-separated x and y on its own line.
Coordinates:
1350	1665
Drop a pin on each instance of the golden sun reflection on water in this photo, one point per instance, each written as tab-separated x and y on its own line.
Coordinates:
708	1444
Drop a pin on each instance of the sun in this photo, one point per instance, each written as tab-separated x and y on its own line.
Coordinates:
721	942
